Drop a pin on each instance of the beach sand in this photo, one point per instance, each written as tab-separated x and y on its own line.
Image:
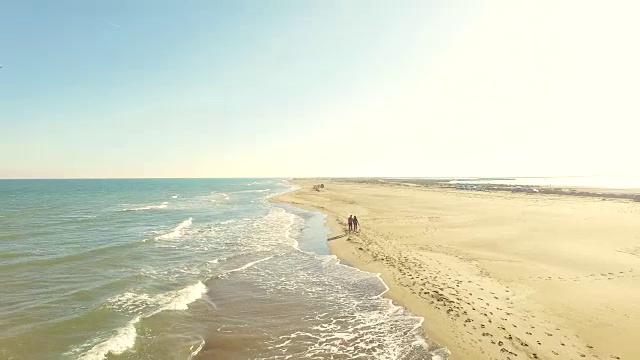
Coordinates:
497	275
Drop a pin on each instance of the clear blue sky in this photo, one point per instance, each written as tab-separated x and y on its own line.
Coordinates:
259	88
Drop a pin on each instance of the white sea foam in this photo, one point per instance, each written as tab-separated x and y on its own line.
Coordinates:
289	230
251	191
174	196
215	261
221	194
130	302
180	299
145	305
243	267
216	196
123	339
197	350
164	205
75	217
177	232
291	187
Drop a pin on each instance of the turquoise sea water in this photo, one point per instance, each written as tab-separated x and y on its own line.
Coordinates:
183	269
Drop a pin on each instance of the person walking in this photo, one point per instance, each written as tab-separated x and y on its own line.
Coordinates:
355	223
350	222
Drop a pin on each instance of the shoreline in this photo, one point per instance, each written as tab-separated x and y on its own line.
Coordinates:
338	244
336	231
488	284
345	250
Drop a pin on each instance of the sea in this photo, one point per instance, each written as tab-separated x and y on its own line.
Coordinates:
184	269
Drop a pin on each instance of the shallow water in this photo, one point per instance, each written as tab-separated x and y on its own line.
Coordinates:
183	269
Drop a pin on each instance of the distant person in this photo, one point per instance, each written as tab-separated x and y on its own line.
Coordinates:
355	223
350	222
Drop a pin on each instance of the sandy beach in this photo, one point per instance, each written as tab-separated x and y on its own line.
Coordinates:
496	275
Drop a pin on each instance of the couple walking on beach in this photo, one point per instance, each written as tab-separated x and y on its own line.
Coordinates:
353	223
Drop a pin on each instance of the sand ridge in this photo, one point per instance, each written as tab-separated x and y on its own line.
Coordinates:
498	275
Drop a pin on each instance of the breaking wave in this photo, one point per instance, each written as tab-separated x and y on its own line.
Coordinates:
124	339
164	205
145	305
251	191
177	231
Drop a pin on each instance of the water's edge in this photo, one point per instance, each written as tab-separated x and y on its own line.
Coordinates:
314	239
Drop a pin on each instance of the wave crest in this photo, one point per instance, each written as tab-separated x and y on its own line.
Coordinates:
251	191
123	340
177	231
164	205
125	337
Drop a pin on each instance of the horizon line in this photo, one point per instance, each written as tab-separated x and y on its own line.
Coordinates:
315	177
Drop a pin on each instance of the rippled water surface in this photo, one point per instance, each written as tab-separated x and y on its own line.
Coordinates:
183	269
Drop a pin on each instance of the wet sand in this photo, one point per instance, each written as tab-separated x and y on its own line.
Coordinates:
497	275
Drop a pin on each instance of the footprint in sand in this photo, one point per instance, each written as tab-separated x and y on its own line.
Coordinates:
522	343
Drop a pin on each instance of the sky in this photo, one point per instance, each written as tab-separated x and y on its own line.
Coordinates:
102	89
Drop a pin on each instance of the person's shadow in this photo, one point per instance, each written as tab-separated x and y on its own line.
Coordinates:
336	237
